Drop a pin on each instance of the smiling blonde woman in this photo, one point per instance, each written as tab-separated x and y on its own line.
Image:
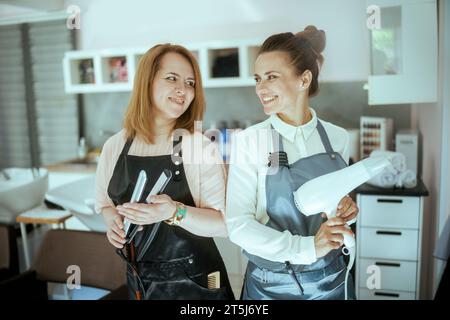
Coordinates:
174	253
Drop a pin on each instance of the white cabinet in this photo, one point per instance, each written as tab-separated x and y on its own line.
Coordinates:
389	236
404	52
387	243
222	64
396	274
99	71
365	294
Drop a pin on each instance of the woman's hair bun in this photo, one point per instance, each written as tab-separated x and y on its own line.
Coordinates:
315	37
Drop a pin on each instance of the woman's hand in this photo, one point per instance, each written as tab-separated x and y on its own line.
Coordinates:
330	236
114	224
161	208
347	209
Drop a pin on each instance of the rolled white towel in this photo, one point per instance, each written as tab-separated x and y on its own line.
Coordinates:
407	179
398	159
385	179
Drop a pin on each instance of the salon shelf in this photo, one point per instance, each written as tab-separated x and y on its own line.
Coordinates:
212	58
115	69
98	75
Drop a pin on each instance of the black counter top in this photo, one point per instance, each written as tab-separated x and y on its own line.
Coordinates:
418	191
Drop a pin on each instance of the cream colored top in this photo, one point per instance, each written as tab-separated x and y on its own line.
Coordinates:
203	165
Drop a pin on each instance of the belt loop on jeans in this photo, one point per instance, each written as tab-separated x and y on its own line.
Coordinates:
294	277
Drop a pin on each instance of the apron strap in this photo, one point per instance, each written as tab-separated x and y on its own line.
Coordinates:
275	136
177	158
325	140
280	150
277	158
127	146
175	143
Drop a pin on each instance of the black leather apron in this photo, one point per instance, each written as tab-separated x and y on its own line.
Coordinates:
164	261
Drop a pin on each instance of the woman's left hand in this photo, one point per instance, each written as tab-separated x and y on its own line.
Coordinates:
160	208
347	209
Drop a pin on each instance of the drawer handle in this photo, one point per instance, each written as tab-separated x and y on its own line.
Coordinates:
387	264
386	294
390	233
390	200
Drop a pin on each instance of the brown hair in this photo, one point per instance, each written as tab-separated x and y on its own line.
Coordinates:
139	115
304	50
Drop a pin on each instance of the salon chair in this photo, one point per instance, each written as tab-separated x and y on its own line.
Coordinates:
9	258
99	266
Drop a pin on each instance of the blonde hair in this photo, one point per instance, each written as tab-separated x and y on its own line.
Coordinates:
139	115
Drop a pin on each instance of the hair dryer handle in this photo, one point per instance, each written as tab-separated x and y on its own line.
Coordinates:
332	212
349	241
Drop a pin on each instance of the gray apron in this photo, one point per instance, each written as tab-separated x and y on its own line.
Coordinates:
325	278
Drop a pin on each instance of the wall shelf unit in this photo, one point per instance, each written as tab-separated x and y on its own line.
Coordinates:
222	64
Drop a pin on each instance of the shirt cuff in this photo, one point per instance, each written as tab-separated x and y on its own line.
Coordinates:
99	207
352	221
307	251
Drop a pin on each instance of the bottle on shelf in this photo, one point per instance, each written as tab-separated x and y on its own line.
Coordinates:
118	69
86	71
82	148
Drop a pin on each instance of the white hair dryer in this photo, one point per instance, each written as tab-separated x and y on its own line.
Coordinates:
323	194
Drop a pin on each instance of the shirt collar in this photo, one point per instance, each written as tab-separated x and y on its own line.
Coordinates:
289	131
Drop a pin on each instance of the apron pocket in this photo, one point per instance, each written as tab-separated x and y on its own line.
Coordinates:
183	289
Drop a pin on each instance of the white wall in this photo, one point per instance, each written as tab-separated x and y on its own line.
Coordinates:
428	122
444	206
107	24
433	121
427	118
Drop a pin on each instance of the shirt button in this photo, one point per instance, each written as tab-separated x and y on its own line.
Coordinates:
191	261
177	172
177	163
176	154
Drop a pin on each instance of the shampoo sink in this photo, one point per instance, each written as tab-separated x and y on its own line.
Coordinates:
21	189
78	198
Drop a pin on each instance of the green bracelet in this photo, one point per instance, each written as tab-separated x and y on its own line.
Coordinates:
180	214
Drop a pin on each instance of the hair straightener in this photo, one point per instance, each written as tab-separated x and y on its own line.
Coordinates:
131	228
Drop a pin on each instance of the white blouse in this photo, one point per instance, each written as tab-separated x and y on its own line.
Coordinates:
246	214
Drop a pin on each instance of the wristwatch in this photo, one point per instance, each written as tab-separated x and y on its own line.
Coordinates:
179	214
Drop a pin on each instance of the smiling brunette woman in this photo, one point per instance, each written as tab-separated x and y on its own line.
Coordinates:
172	259
291	256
